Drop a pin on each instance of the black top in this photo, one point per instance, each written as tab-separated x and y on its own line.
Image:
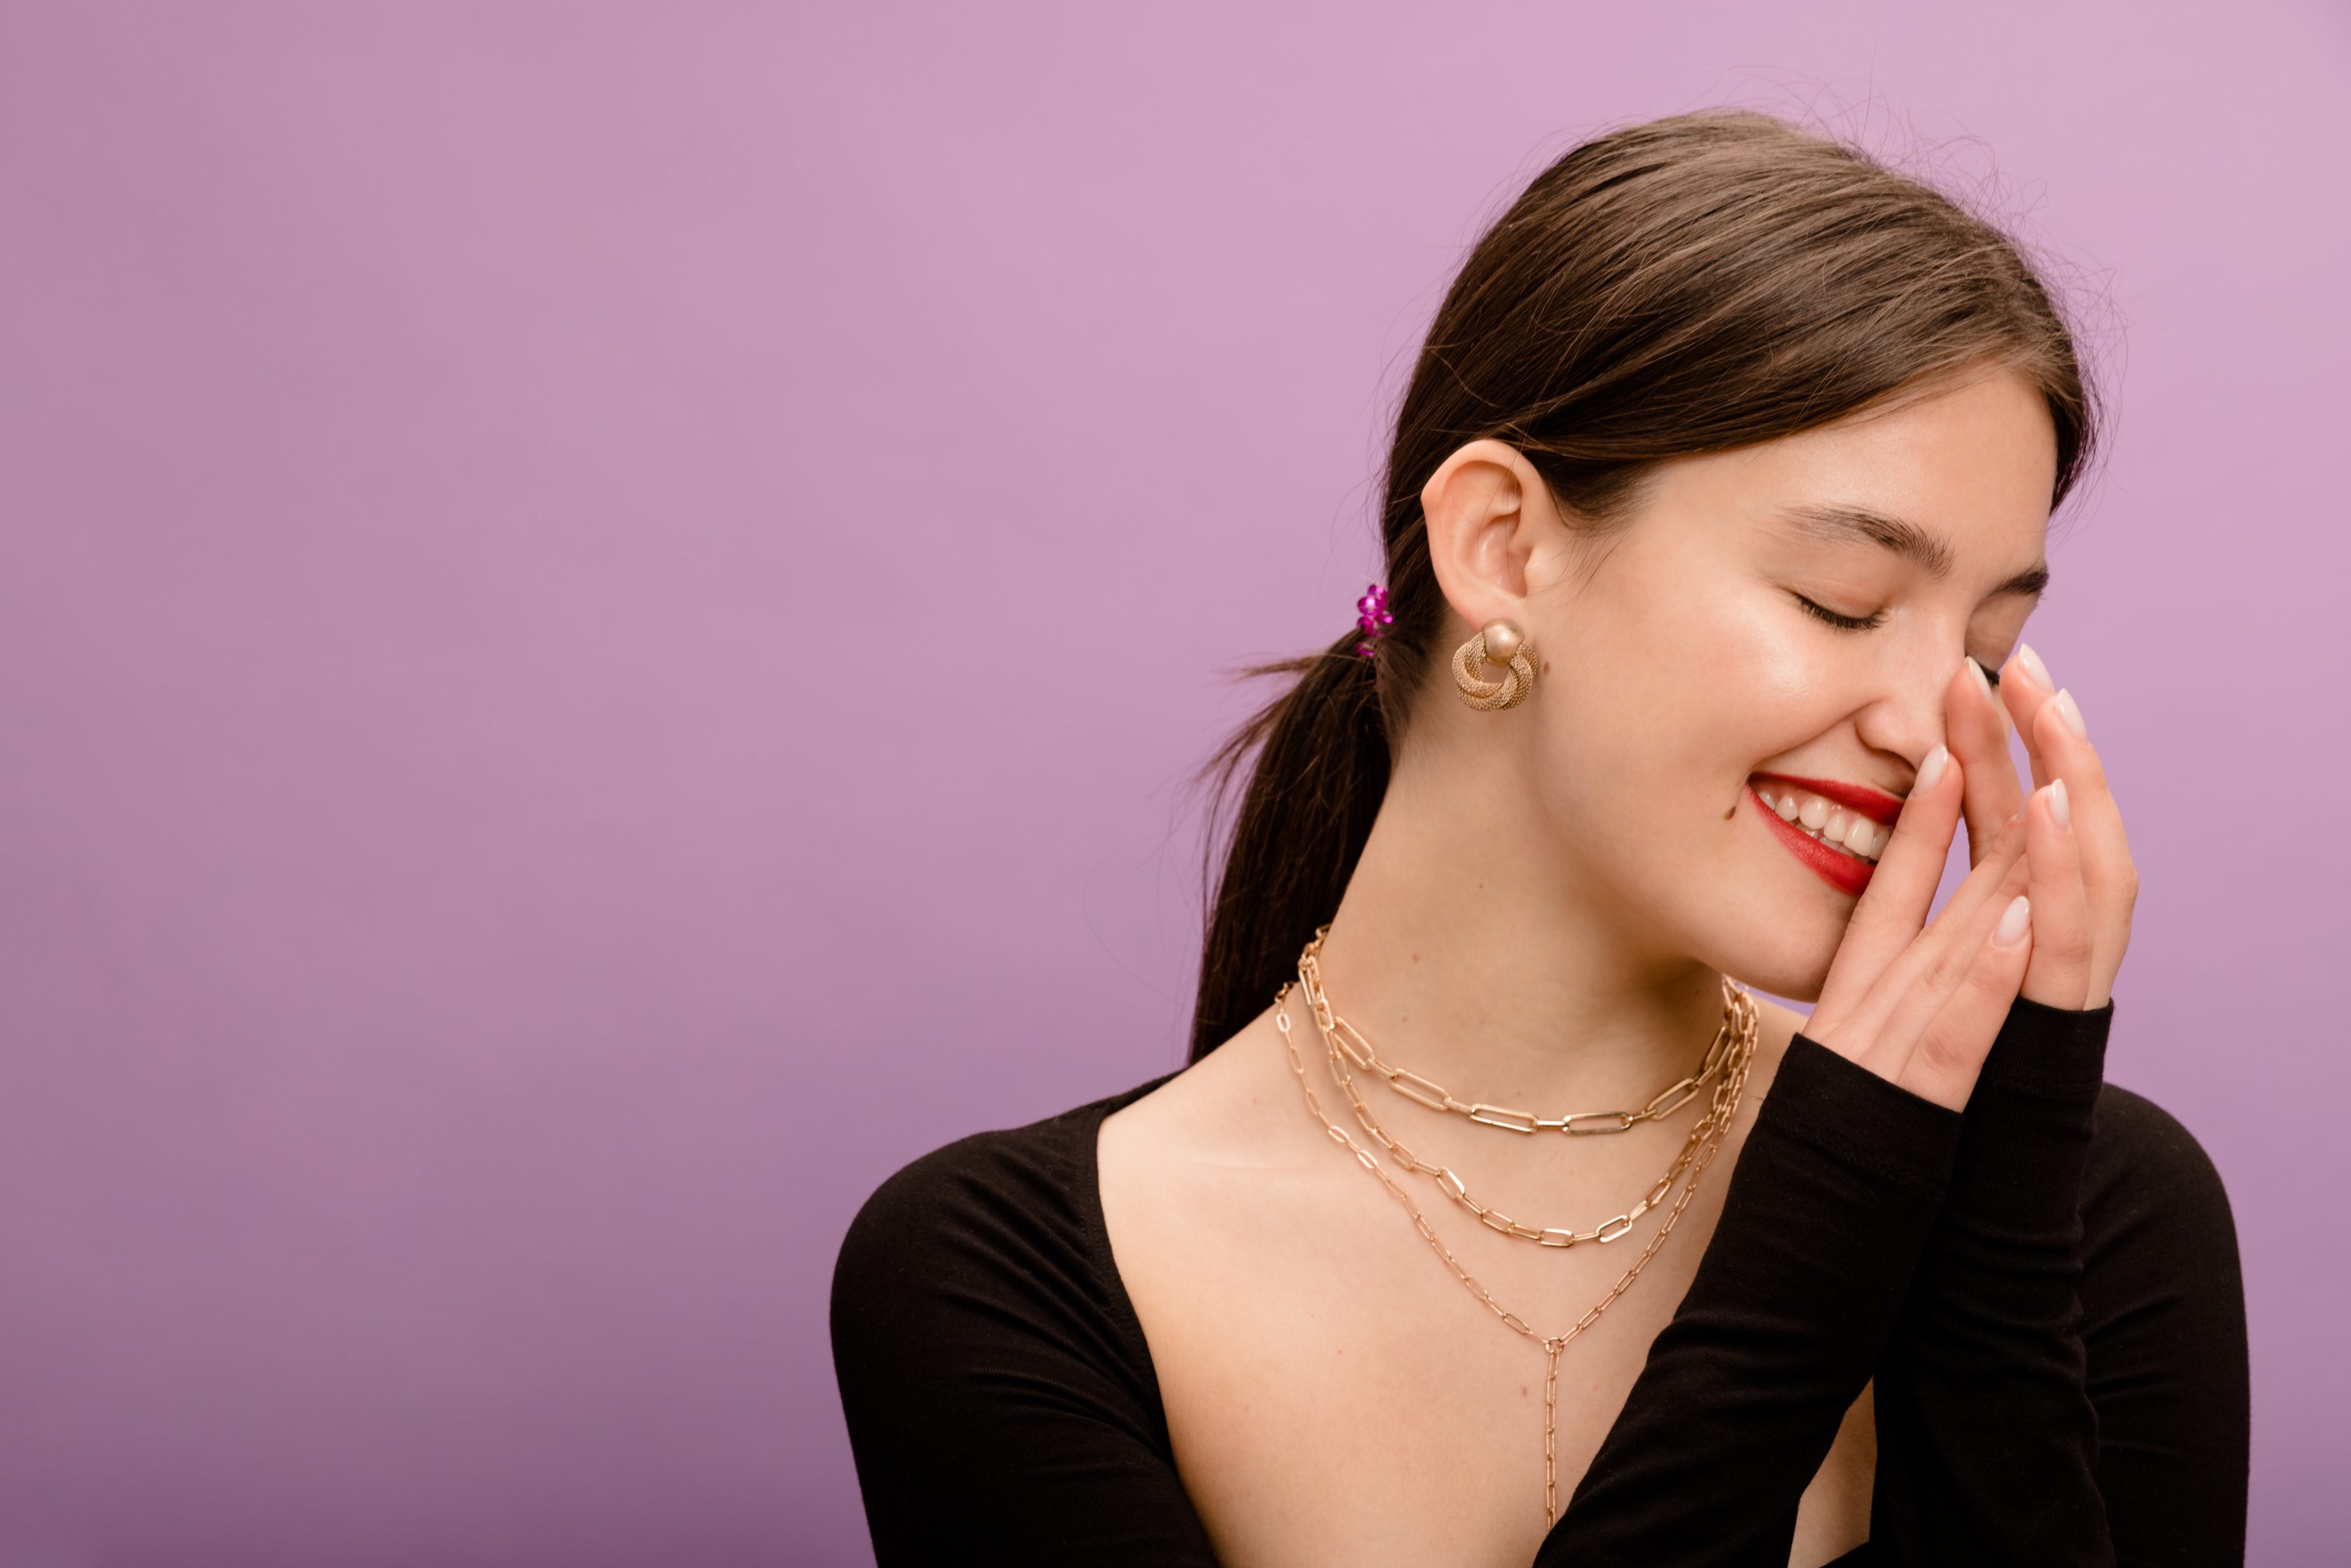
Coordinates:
2044	1288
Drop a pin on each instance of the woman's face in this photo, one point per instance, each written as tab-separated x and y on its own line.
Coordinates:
1789	612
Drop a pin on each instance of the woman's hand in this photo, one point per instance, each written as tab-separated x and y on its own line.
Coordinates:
1916	1003
2083	884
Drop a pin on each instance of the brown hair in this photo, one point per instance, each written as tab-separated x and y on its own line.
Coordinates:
1686	285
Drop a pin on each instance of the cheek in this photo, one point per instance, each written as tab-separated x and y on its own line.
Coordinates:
1696	688
1673	697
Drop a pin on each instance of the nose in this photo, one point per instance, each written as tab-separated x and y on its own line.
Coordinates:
1906	718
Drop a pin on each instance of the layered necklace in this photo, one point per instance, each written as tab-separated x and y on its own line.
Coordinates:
1722	1072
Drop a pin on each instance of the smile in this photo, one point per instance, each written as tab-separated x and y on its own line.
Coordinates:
1837	830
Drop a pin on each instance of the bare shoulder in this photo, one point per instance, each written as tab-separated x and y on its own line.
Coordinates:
1215	1186
1235	1108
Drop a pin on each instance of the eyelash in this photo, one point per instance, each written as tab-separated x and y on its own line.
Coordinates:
1865	623
1842	623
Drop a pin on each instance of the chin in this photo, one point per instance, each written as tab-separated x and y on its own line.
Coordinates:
1796	985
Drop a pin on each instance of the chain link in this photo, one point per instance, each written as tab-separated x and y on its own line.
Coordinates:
1577	1123
1739	1056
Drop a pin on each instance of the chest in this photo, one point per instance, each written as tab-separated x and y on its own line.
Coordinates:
1335	1392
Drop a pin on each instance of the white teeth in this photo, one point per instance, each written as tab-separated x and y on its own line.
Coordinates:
1833	824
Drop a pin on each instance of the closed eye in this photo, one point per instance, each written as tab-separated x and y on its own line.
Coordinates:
1842	623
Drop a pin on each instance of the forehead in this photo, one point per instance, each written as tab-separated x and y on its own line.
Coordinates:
1969	469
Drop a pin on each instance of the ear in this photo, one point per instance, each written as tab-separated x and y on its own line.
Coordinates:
1488	514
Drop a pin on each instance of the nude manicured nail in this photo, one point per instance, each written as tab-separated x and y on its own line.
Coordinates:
2068	710
2013	922
1930	772
1983	682
2034	667
2061	810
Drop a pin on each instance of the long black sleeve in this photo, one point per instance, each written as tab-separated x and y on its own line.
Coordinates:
1987	1441
2065	1381
1826	1212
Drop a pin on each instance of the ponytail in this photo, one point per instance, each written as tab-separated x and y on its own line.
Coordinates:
1321	771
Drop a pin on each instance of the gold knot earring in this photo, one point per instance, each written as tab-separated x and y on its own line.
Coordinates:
1500	643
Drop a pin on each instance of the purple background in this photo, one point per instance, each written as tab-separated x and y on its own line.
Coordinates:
603	610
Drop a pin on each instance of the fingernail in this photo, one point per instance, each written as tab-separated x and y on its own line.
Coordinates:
2034	667
1930	772
2071	714
1983	682
2013	922
2060	808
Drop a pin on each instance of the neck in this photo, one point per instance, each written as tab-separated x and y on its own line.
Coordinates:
1471	949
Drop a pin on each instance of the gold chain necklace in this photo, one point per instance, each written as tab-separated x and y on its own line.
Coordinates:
1338	1034
1575	1123
1744	1050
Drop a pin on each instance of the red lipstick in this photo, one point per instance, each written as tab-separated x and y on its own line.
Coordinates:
1846	874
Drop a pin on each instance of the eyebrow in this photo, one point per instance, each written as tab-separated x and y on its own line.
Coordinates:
1844	525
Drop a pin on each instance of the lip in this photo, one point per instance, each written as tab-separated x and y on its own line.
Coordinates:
1875	804
1846	874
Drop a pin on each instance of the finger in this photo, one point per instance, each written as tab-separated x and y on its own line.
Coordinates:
2024	685
1865	1024
1893	907
1977	729
2109	879
1937	976
1951	1053
2059	976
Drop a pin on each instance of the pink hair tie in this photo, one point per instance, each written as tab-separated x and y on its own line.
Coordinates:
1373	619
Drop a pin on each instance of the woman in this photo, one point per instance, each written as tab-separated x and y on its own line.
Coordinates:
1492	1223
